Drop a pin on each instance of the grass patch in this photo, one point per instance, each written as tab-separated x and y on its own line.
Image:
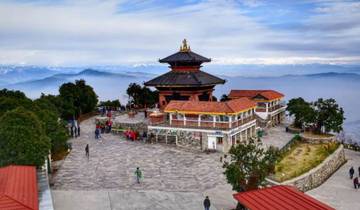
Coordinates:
301	158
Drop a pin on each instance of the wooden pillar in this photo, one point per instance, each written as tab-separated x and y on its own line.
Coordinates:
184	119
214	121
170	118
199	120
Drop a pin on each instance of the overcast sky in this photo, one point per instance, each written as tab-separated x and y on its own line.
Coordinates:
94	32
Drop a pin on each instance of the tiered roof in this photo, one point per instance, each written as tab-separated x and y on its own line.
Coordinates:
185	56
267	94
279	198
185	71
18	188
210	107
185	78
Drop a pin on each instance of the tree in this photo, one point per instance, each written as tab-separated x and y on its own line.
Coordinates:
55	127
22	139
77	99
10	100
248	165
10	103
302	110
329	115
134	92
142	96
12	94
51	102
108	103
224	97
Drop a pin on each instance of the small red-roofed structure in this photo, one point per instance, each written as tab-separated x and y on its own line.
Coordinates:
279	197
18	188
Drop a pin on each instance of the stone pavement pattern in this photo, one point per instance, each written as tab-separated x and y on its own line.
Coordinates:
338	191
110	172
128	200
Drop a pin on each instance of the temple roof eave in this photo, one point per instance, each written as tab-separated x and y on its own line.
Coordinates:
192	79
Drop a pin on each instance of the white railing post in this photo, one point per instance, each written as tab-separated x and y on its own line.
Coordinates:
267	107
230	121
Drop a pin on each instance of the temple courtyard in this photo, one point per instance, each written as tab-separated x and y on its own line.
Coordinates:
173	178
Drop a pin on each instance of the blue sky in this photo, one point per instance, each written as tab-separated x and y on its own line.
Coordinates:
95	32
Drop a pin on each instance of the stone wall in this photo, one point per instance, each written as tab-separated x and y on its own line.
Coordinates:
187	139
316	176
316	140
140	127
294	130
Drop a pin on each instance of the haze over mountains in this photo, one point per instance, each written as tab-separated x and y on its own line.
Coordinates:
111	82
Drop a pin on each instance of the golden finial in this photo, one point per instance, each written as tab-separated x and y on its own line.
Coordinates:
184	47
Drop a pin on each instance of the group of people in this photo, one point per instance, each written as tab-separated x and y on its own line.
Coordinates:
355	179
104	128
74	129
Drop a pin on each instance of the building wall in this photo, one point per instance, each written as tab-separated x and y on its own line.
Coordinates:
198	140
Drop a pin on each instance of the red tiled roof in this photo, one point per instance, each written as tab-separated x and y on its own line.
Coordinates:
18	188
268	94
279	197
233	106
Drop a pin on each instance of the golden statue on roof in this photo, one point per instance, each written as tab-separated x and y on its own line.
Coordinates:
184	47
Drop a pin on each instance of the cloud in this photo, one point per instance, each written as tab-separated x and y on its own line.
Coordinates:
93	32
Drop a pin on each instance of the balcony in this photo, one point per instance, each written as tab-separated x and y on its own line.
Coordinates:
270	109
192	123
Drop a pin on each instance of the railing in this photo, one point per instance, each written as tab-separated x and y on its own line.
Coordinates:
276	107
270	109
210	124
260	109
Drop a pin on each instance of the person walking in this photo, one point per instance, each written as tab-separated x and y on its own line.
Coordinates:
138	175
75	131
207	203
356	182
351	172
72	131
87	151
78	130
97	133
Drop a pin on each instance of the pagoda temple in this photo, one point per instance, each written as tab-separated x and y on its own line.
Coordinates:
185	81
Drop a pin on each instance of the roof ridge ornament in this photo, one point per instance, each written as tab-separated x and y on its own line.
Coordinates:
184	47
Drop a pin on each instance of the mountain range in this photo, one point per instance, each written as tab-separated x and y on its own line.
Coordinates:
112	82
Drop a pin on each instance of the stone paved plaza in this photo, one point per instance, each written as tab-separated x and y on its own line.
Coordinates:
167	171
277	137
338	191
173	178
